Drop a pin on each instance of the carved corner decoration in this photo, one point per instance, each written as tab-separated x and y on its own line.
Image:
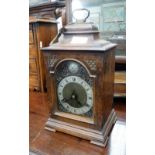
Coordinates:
51	61
91	64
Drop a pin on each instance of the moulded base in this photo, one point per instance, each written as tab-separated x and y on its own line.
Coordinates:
96	137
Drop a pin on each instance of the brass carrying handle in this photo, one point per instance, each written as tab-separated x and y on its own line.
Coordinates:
82	18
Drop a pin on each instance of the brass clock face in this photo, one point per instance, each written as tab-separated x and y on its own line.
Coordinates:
75	95
74	89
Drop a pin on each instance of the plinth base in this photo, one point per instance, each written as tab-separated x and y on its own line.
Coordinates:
96	137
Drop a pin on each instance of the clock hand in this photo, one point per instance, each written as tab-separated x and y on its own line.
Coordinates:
77	99
64	100
73	96
79	103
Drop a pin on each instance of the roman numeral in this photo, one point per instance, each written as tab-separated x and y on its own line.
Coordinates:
74	79
63	100
90	98
87	105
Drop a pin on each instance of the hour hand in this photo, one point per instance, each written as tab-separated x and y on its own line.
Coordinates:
73	96
79	103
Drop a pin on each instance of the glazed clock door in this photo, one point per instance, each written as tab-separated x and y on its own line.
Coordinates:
74	89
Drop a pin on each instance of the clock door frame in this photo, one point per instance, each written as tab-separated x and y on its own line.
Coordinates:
58	114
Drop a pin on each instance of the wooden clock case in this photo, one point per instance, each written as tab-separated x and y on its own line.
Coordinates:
97	57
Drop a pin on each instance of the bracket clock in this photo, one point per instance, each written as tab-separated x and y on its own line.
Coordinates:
80	77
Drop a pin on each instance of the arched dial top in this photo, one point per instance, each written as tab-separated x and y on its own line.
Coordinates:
75	95
74	88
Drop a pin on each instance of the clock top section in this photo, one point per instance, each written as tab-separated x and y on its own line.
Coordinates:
80	36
